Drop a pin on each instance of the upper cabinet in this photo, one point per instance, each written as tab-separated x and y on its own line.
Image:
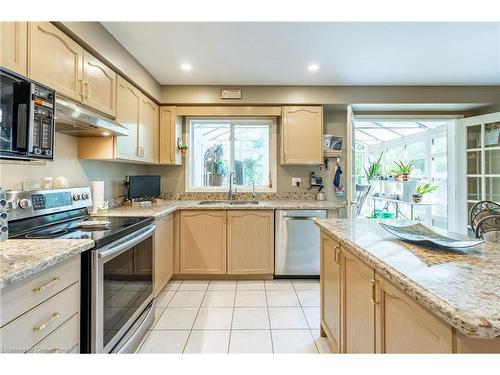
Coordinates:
55	60
148	130
170	136
99	85
127	114
14	46
302	135
60	63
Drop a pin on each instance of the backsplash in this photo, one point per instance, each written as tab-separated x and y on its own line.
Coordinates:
240	196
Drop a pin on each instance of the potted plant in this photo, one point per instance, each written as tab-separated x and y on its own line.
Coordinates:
423	189
404	169
374	169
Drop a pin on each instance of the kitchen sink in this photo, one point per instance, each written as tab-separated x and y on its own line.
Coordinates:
244	202
206	203
241	203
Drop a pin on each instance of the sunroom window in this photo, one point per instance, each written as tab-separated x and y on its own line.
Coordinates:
224	145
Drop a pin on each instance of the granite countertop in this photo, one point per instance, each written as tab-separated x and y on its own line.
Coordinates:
22	258
460	286
166	207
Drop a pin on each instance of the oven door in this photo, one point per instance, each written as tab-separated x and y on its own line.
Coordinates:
122	288
16	115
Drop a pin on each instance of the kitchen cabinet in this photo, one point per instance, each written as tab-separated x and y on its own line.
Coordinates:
170	133
55	60
358	330
42	312
302	135
147	137
405	327
202	242
127	114
250	242
330	285
99	85
163	252
14	46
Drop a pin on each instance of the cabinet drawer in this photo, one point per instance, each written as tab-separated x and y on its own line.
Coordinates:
29	329
62	340
26	294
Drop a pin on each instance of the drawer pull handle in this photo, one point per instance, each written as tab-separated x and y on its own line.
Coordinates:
45	286
374	292
42	326
337	255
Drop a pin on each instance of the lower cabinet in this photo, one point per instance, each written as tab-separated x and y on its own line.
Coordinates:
406	327
250	242
358	329
362	312
331	274
163	252
202	242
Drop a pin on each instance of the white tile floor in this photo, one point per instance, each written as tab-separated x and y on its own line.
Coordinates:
276	316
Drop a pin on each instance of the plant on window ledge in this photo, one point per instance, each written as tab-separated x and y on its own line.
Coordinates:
423	189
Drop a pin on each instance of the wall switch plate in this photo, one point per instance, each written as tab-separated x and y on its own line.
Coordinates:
296	181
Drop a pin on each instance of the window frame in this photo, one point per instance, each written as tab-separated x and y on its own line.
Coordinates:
273	158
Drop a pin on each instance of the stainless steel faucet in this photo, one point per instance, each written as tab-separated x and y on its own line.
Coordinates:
231	194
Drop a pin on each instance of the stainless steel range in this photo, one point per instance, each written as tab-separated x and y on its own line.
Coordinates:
117	274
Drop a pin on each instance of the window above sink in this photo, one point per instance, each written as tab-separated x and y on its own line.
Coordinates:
218	146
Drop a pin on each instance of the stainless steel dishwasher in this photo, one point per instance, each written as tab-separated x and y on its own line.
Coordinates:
297	242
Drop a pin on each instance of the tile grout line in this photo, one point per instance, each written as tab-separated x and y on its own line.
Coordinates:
304	314
196	317
269	319
232	318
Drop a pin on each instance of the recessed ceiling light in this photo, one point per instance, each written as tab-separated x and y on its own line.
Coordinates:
186	67
313	67
106	134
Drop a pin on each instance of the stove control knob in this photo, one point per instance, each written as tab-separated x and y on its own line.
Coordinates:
85	196
76	197
24	203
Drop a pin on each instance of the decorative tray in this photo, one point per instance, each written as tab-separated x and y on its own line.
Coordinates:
422	234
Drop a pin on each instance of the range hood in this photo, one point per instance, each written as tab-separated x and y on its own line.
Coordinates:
78	121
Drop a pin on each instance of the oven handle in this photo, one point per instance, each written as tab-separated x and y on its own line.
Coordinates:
128	244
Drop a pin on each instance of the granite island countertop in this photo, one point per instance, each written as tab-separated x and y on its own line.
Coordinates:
462	287
158	210
22	258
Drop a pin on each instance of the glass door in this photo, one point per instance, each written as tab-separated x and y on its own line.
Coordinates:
482	160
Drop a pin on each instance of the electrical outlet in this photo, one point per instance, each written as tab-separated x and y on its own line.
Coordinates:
296	181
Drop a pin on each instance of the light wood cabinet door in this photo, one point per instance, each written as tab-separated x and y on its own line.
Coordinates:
170	131
14	46
250	242
302	135
163	252
99	85
330	284
148	130
405	327
358	330
127	114
203	242
55	60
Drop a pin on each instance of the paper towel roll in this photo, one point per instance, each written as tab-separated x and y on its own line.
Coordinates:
97	195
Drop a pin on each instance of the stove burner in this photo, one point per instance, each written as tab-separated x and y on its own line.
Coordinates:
47	233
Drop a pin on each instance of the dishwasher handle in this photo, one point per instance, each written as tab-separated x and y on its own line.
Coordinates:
300	217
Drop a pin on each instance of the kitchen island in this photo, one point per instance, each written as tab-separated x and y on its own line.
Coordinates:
381	294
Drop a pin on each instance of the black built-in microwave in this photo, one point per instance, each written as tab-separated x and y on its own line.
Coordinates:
27	121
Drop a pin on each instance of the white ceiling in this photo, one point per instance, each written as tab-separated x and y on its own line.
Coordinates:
350	53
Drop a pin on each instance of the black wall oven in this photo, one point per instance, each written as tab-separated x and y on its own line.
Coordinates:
27	122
